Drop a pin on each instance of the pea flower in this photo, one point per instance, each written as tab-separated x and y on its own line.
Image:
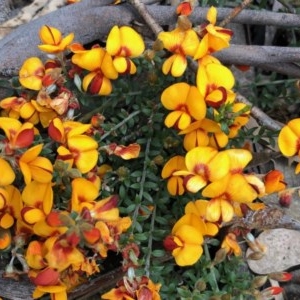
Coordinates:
186	104
175	183
78	148
181	43
289	140
204	132
84	193
274	181
31	73
185	244
8	176
38	201
184	8
133	289
214	38
231	245
10	205
52	40
100	65
204	165
215	82
18	135
198	208
35	167
124	43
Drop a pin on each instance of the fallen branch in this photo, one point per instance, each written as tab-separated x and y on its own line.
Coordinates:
262	118
85	19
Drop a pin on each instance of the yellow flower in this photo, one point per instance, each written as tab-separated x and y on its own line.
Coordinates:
215	82
223	192
84	193
199	208
205	132
52	40
31	73
289	140
181	43
175	183
124	43
8	176
185	244
186	103
38	201
100	64
35	167
214	38
204	164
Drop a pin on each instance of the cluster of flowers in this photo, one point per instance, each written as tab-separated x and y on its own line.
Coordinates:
63	245
59	244
211	169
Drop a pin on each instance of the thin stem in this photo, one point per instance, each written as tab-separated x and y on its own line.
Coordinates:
148	257
135	113
212	271
263	83
143	179
235	12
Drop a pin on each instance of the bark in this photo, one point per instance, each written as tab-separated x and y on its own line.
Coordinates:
91	21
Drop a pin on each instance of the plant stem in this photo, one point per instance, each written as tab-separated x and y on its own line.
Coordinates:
212	269
143	179
148	257
135	113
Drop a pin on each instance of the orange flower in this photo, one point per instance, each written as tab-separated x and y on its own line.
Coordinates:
135	288
52	40
274	182
214	38
230	245
125	152
186	103
60	253
184	8
5	239
79	148
18	135
181	43
31	73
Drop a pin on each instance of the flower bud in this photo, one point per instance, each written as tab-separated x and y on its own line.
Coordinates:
281	276
184	23
259	281
285	198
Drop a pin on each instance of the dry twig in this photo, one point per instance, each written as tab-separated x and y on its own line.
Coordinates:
261	117
235	12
